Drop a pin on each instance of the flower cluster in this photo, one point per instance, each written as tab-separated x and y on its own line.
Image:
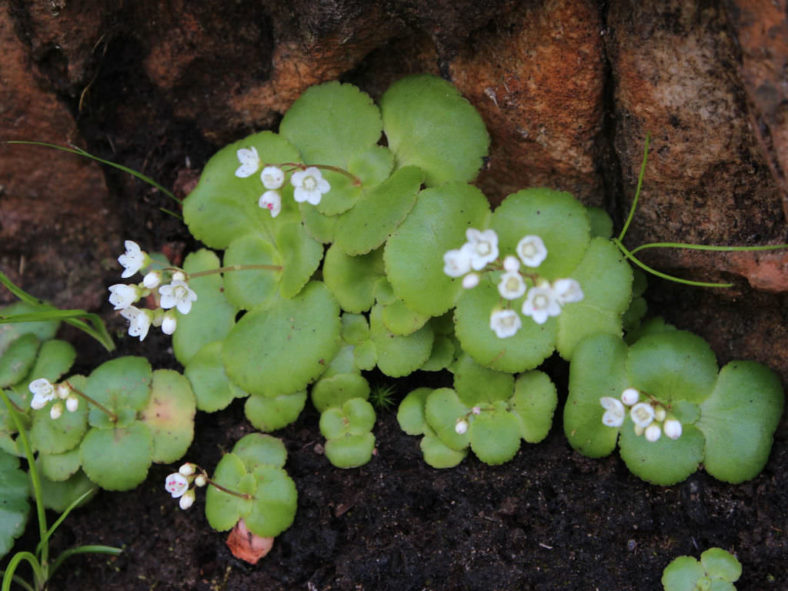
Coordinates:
650	418
309	184
179	484
45	392
542	298
171	296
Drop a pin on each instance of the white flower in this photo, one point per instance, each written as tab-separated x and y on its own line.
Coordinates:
139	321
169	322
272	201
200	480
470	281
511	285
567	291
56	411
309	185
642	414
541	304
505	323
152	279
186	469
249	160
272	177
176	484
483	247
630	396
653	432
614	411
457	262
122	296
461	427
72	403
511	264
177	294
672	428
132	260
187	500
531	250
43	391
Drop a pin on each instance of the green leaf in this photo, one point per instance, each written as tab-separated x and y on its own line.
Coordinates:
373	166
118	384
721	564
59	495
682	574
275	501
59	467
223	510
356	416
257	449
332	122
269	413
475	383
14	507
598	369
675	365
224	207
338	389
495	435
212	388
410	414
556	217
281	349
438	455
18	359
397	355
414	253
739	419
428	123
352	278
442	411
601	222
117	459
442	354
320	227
401	320
50	436
355	329
9	332
248	288
54	359
350	450
211	316
532	344
663	462
170	415
534	403
301	256
378	212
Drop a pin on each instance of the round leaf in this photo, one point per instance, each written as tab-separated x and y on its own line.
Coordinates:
274	412
495	436
399	356
352	278
301	256
18	359
682	574
10	332
443	410
721	564
256	449
59	495
438	455
119	384
274	505
59	467
663	462
410	414
248	288
222	509
14	507
170	415
50	436
475	383
534	402
117	459
212	389
350	450
401	320
338	389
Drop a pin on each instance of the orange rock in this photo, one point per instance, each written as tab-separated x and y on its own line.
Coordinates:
247	546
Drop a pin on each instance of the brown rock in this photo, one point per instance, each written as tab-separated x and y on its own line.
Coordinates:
246	545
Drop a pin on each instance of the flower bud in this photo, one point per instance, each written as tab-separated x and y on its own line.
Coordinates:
630	396
187	469
470	281
152	279
179	276
72	403
200	481
672	428
187	500
461	427
511	264
169	322
660	413
56	411
653	432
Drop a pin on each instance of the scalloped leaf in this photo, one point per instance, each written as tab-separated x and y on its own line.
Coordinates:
556	217
682	574
117	459
211	316
401	320
50	436
675	365
442	354
170	415
378	212
223	510
14	507
248	288
598	369
399	355
320	227
428	123
338	389
414	253
442	410
274	505
663	462
355	329
269	413
352	278
438	455
257	449
281	349
350	450
301	256
119	384
54	359
534	402
410	414
475	383
738	420
59	467
721	564
212	389
18	359
329	123
372	166
532	344
495	436
223	207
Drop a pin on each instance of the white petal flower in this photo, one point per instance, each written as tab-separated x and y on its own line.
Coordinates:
187	500
531	250
505	323
672	428
567	291
169	322
309	185
132	260
250	162
176	484
653	432
122	296
614	411
72	403
272	201
541	304
457	262
483	247
43	391
511	286
177	294
152	280
56	411
642	414
461	427
470	281
630	396
511	264
139	321
272	177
